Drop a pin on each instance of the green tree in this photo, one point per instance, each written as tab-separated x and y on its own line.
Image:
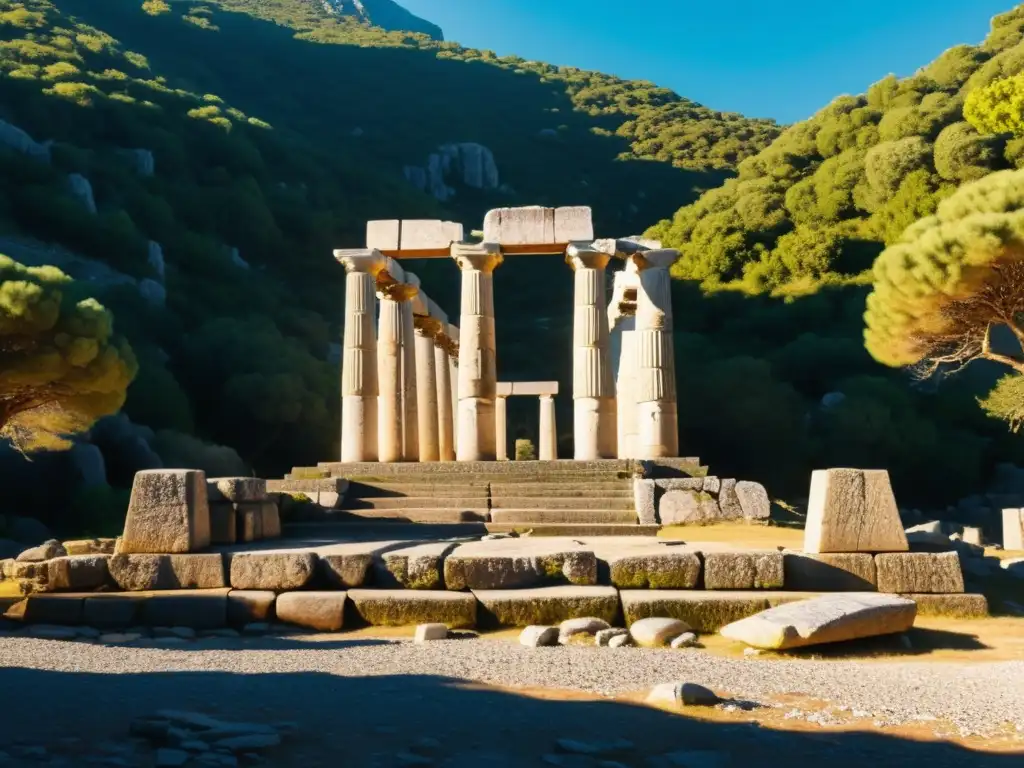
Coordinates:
939	291
998	107
61	366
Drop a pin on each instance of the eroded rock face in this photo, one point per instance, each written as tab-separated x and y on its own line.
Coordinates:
168	513
853	510
14	137
826	619
82	189
468	164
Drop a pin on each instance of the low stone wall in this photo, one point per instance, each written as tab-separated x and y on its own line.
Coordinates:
699	501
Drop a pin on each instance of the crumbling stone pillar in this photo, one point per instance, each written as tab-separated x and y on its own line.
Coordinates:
657	416
623	357
594	427
390	363
426	388
548	448
478	373
359	387
453	373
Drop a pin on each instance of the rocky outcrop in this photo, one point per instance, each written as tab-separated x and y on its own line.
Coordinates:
155	259
141	160
12	136
385	14
468	164
82	189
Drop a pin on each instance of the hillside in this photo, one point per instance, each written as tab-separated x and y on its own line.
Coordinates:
385	14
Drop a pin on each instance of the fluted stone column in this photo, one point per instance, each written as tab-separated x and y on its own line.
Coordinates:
359	387
410	398
390	364
625	386
500	428
478	371
426	388
657	417
594	426
453	372
548	448
445	424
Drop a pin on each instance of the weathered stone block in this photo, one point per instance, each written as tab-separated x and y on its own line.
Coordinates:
951	606
47	609
419	567
826	619
546	605
529	225
324	611
270	520
138	573
246	606
1013	529
111	610
430	234
688	508
383	235
643	496
236	489
45	551
345	566
656	632
168	513
196	609
515	563
407	607
743	570
753	500
919	572
223	529
279	571
90	547
729	501
573	224
853	510
836	572
78	572
680	484
248	521
678	569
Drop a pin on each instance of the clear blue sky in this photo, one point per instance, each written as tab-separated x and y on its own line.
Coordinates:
765	58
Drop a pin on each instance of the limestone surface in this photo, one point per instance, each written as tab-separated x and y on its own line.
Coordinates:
643	497
538	636
410	607
168	513
417	567
45	551
324	611
753	499
426	633
656	631
661	568
345	566
853	510
278	571
921	572
246	606
835	572
546	605
743	570
826	619
951	606
236	489
135	573
688	507
519	564
90	547
78	572
1013	529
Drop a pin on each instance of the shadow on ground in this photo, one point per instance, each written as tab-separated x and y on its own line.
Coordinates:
371	721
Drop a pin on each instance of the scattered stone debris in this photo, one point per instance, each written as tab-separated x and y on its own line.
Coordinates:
682	694
569	628
538	636
428	632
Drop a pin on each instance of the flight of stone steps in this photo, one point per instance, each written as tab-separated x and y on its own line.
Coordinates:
549	498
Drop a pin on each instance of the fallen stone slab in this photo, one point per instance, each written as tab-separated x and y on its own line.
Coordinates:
347	566
246	606
279	571
139	573
324	611
546	605
743	570
825	619
418	567
657	567
919	572
519	564
47	609
78	572
168	513
853	510
656	632
830	572
703	611
952	606
410	607
236	489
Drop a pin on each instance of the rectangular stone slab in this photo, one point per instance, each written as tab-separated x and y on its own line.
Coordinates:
645	563
345	566
277	571
78	572
429	234
574	223
250	605
919	572
519	564
236	489
383	235
323	611
702	611
1013	529
853	510
418	567
951	606
47	609
136	573
837	572
825	619
168	513
408	607
195	608
743	570
546	605
529	225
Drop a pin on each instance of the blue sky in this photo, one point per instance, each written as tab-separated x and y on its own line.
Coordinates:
765	58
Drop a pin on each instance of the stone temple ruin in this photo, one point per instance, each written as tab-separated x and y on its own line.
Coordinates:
424	521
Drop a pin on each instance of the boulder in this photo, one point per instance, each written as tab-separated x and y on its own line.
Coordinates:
729	500
538	636
830	572
138	573
924	572
825	619
45	551
324	611
247	606
168	513
278	571
688	508
587	625
743	570
682	694
603	637
852	510
656	632
236	489
78	572
753	500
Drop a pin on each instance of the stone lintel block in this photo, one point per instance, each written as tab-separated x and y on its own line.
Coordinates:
223	525
673	568
951	606
250	605
503	389
195	608
430	234
574	223
743	570
168	513
529	225
236	489
546	605
1013	529
138	573
919	572
47	609
324	611
830	572
409	607
853	510
534	388
383	235
643	497
704	611
418	567
78	572
278	571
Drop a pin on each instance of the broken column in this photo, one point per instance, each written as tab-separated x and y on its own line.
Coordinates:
656	414
593	397
501	420
359	390
478	374
445	423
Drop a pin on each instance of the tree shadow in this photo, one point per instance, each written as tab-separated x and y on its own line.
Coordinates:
375	721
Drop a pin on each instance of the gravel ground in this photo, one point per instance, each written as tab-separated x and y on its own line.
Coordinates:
978	697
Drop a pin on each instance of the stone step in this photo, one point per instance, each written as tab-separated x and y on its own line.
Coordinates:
386	528
408	607
427	515
463	490
415	502
576	516
583	503
575	530
545	605
612	490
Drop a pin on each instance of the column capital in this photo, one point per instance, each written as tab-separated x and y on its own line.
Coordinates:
365	260
660	259
585	256
427	326
483	257
397	292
